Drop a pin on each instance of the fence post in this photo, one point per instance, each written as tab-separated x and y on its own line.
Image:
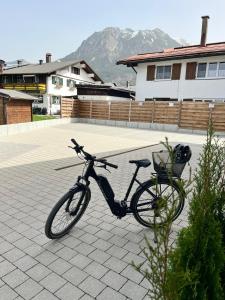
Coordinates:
129	112
90	115
153	111
179	114
61	101
109	114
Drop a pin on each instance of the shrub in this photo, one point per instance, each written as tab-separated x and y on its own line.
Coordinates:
36	110
44	111
197	263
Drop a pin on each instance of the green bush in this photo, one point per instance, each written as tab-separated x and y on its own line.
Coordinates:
194	269
197	263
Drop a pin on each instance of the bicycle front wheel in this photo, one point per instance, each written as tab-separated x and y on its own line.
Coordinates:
67	212
159	201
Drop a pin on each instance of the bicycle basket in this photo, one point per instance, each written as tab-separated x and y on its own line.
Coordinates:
164	166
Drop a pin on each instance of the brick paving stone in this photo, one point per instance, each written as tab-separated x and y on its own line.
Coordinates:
45	295
80	261
25	263
130	273
23	243
60	266
86	297
46	258
6	293
85	249
75	275
38	272
115	264
133	291
69	292
34	250
96	270
103	234
66	253
132	247
114	280
5	268
28	289
14	254
99	256
102	245
92	286
117	251
5	246
53	282
15	278
71	242
110	294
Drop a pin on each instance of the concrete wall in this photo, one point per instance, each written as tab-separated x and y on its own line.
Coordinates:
11	129
209	88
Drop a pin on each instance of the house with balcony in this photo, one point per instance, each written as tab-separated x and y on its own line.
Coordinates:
49	81
191	73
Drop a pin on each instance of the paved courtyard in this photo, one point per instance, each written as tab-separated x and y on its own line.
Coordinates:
93	260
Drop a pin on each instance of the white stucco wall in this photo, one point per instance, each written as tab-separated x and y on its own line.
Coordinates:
103	98
213	88
66	74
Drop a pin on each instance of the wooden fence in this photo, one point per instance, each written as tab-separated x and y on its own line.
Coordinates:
190	115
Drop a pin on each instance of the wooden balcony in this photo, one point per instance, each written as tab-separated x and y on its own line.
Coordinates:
26	87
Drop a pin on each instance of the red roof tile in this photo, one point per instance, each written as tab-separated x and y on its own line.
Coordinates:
189	51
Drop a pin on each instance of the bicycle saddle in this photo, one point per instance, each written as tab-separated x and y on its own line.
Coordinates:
141	163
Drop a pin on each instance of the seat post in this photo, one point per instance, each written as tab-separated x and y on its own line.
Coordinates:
131	183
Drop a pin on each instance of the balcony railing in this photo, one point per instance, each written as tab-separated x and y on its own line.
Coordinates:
41	87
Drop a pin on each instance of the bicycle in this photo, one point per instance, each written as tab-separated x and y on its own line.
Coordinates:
145	203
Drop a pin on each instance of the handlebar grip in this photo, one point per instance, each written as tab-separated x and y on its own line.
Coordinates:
74	142
112	165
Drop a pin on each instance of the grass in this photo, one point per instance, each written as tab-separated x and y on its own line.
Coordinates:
42	117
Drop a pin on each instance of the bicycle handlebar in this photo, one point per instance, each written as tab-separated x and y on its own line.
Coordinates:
88	156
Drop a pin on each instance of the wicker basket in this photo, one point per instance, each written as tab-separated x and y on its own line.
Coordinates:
164	166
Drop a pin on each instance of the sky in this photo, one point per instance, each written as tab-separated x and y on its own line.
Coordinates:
30	28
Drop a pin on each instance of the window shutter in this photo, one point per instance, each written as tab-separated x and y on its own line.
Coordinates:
191	70
150	72
176	71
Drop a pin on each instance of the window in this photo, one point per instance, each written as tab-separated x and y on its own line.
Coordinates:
71	83
201	73
75	70
212	70
163	72
56	100
58	81
221	72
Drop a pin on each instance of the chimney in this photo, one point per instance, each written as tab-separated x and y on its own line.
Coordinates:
40	61
2	63
48	57
19	63
204	30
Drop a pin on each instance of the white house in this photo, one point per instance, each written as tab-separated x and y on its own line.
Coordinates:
49	81
185	73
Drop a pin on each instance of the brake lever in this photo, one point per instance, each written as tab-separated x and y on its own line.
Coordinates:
103	167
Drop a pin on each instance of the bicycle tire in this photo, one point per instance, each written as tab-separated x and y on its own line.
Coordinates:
86	193
157	218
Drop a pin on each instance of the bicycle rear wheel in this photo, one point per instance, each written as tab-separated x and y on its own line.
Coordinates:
67	212
159	201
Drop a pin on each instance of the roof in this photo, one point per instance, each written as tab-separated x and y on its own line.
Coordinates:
48	68
176	53
16	95
105	87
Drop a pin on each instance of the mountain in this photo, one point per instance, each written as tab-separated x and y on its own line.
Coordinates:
102	49
13	64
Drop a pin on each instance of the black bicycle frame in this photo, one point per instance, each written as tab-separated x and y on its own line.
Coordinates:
118	208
